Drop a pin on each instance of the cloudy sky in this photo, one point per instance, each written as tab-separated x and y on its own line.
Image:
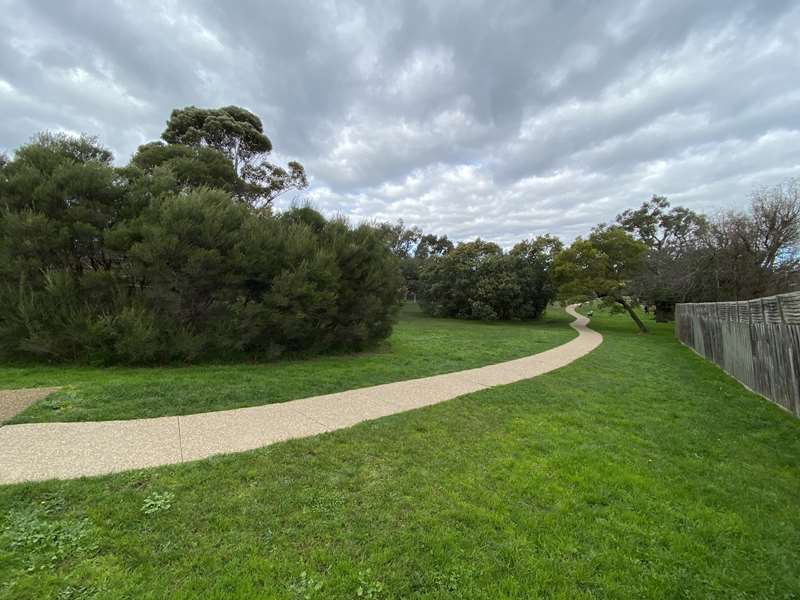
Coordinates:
491	119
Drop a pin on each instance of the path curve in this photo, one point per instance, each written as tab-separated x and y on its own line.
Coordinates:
38	451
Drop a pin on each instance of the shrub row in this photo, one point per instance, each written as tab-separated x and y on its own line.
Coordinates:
133	265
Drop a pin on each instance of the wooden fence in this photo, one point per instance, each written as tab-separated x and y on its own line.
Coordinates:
755	341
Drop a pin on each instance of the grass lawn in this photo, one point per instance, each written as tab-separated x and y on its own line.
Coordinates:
639	471
420	346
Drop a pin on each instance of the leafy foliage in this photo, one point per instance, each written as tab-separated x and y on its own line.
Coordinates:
477	280
736	255
157	502
239	135
412	247
601	266
44	540
675	253
157	261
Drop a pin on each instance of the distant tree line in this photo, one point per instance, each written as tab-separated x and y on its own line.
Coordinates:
656	254
662	255
178	255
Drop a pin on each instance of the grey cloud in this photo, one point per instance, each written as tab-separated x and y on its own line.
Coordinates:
468	118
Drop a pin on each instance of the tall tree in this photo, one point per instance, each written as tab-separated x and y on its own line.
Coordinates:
477	280
189	166
676	256
58	198
157	262
601	266
403	242
757	253
239	135
432	245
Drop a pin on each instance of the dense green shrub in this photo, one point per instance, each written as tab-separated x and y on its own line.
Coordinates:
477	280
147	264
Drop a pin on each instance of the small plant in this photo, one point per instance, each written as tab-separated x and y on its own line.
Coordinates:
46	542
267	537
157	502
368	587
305	586
453	581
60	400
72	592
52	503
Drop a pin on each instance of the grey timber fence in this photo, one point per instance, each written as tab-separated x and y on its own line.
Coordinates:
755	341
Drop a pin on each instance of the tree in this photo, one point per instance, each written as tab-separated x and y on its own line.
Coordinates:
676	257
757	253
148	264
411	247
477	280
601	266
533	262
239	135
401	240
57	198
190	166
432	245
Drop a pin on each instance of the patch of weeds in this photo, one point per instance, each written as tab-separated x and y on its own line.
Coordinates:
44	542
368	587
452	582
306	586
157	502
52	503
267	537
59	401
73	592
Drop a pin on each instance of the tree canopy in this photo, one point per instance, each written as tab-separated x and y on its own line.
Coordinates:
159	260
601	266
239	135
734	255
478	280
674	238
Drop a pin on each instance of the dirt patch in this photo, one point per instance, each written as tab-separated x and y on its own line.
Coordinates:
15	401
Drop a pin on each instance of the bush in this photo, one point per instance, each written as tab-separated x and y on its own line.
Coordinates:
477	280
136	265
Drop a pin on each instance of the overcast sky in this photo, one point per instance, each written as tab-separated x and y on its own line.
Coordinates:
492	119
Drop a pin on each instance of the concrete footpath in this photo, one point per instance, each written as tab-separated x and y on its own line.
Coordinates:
38	451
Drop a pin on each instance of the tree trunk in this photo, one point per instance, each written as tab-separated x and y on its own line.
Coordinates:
632	313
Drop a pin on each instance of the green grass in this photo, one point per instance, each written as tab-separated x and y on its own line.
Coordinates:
639	471
420	346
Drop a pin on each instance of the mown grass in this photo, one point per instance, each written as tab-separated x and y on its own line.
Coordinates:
639	471
420	346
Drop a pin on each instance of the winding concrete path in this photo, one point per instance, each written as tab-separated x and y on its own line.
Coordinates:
39	451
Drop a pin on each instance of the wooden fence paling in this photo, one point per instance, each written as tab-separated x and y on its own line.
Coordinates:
762	352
